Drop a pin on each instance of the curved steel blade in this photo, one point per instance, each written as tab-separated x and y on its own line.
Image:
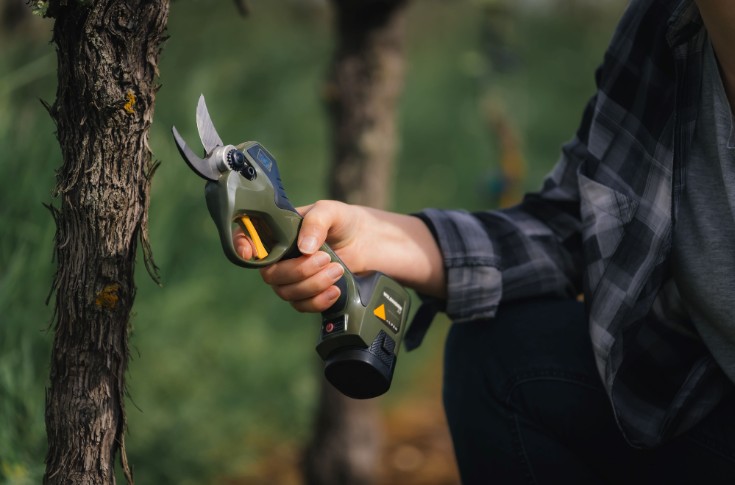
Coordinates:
207	132
203	168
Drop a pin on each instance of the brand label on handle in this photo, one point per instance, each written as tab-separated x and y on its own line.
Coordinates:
389	310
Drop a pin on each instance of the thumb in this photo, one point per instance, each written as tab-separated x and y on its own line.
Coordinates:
314	228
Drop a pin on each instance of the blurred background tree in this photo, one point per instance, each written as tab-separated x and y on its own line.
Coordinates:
222	383
15	15
361	93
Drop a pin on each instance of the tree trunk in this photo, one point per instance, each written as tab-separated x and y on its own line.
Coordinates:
13	14
107	64
365	82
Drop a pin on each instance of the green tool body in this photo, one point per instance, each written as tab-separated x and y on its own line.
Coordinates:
361	333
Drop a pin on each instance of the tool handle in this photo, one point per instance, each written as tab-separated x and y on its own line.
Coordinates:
346	285
253	198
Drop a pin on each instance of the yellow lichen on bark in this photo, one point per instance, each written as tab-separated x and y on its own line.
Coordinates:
130	105
108	298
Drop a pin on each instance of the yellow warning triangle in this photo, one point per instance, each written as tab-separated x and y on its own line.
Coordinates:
380	312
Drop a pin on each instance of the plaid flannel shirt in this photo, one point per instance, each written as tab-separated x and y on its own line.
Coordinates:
603	223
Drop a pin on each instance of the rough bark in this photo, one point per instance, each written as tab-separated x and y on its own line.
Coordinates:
362	91
108	54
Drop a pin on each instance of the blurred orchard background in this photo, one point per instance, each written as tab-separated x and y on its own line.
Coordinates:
224	379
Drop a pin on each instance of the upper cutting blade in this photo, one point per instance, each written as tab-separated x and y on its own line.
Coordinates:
207	132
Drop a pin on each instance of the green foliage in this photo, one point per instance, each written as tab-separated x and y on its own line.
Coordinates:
38	7
222	370
30	153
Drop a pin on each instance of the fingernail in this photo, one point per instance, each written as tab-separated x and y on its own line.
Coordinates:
335	271
332	293
321	259
308	245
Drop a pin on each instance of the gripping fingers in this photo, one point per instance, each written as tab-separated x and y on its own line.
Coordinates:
315	289
318	303
306	282
244	246
295	270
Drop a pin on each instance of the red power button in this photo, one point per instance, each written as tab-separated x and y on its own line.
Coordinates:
329	327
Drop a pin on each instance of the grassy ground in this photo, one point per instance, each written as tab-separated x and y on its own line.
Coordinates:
223	377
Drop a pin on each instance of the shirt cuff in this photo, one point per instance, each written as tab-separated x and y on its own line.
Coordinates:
474	280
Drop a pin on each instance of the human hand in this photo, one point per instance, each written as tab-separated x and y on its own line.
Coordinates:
365	239
307	282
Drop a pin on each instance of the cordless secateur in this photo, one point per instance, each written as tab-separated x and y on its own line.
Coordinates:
361	333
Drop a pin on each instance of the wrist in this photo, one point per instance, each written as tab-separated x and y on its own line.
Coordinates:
403	247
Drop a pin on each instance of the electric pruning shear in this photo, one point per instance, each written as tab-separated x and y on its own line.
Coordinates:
360	333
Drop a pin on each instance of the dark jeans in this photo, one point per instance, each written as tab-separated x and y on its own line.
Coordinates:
525	405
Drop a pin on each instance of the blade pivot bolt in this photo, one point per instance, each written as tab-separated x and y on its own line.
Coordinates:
237	163
236	160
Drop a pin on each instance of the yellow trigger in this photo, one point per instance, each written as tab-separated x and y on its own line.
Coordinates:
260	251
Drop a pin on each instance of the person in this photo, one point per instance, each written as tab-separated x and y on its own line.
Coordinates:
633	382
